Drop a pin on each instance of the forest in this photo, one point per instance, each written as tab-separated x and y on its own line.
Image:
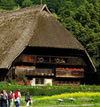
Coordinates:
80	17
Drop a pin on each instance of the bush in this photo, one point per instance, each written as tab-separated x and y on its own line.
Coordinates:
48	90
27	3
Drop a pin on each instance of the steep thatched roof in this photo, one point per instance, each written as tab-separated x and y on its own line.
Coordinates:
50	33
34	26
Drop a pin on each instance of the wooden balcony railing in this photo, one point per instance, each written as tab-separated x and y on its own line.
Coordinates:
35	73
73	74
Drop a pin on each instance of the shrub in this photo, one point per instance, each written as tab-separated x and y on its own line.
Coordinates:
47	90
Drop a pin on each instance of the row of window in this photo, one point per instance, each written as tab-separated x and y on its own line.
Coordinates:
41	81
50	59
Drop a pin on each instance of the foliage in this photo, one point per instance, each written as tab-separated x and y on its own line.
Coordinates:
11	81
21	79
76	94
49	90
83	94
20	76
7	4
2	10
84	22
19	2
26	3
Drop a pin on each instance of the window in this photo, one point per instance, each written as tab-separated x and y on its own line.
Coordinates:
39	81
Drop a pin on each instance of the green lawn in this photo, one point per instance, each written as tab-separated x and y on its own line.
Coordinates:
76	101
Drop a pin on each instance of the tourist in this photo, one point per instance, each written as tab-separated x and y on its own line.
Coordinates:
1	99
10	98
27	99
17	98
4	99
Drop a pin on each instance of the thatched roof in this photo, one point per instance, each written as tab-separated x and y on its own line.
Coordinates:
35	27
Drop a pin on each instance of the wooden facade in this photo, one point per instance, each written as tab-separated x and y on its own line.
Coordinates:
43	67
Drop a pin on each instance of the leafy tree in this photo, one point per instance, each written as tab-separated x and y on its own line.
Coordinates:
38	1
54	5
84	23
7	4
26	3
19	2
79	2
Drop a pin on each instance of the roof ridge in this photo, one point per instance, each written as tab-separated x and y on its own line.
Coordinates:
45	8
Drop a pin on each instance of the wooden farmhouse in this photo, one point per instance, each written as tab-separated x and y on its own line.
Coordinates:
34	43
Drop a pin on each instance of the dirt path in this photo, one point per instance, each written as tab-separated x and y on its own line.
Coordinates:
69	105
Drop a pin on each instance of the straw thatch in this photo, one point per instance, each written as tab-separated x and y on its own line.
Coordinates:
34	27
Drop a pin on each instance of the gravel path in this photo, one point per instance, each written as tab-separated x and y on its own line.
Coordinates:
69	105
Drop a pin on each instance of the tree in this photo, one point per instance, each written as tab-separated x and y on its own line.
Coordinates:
79	2
54	5
19	2
84	23
7	4
27	3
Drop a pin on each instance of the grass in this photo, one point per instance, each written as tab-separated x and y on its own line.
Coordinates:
70	106
92	100
76	94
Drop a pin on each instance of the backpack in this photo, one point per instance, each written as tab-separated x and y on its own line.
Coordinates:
0	97
16	94
4	96
11	96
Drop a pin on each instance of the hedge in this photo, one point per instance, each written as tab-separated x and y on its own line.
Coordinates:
48	90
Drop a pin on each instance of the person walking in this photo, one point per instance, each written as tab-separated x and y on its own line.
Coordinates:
10	99
27	99
4	98
1	99
17	98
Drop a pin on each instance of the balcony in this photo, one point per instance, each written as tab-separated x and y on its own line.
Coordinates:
33	71
70	72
